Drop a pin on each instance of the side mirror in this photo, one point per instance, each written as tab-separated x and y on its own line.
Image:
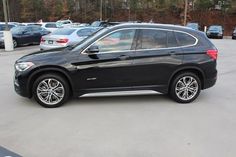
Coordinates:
92	50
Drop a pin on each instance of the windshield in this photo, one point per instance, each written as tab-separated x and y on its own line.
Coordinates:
17	30
96	24
63	31
192	25
3	27
89	38
215	28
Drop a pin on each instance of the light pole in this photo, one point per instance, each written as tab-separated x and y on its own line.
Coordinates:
8	42
185	12
101	10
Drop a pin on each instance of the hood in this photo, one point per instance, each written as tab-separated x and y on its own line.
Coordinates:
53	55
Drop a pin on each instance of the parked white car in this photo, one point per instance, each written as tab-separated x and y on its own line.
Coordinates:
64	23
51	26
64	37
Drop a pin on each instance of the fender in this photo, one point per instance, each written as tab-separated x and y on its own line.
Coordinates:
43	69
186	68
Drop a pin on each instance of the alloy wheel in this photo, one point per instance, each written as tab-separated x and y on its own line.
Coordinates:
50	91
186	88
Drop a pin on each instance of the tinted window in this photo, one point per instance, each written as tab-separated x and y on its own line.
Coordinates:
152	39
171	40
64	31
118	41
215	28
51	25
185	39
36	28
85	32
3	27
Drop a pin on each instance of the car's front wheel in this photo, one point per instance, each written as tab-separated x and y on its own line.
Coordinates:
51	90
185	87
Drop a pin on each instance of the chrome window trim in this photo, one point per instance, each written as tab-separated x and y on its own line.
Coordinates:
170	30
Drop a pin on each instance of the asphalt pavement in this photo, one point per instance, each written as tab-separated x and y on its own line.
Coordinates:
130	124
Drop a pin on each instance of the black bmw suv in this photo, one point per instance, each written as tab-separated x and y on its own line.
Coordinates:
168	59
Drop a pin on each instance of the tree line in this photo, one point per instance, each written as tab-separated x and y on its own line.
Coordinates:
114	10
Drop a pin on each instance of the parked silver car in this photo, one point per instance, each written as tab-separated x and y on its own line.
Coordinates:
65	37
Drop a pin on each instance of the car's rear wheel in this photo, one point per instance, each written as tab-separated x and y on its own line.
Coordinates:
15	44
51	90
185	87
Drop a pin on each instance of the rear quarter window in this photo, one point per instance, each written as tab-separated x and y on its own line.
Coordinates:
185	39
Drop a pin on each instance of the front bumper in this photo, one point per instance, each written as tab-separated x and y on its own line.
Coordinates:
215	35
20	85
234	36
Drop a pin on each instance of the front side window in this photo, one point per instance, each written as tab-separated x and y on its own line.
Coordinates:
185	39
117	41
152	39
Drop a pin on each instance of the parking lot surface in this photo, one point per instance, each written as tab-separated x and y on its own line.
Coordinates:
127	124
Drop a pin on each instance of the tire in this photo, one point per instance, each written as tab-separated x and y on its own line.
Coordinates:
180	89
51	90
15	44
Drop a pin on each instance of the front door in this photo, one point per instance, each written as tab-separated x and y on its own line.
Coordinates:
111	66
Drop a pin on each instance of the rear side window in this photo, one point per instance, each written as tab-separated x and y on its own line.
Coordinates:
51	25
36	28
152	39
171	40
185	39
64	31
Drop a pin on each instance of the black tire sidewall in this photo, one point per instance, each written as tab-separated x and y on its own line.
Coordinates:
15	42
173	84
58	78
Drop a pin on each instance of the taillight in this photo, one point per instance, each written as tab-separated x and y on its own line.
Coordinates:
42	40
62	41
213	54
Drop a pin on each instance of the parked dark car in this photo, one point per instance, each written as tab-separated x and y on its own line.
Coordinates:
215	31
234	34
164	58
26	35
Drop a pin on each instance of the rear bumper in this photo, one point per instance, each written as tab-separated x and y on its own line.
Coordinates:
210	82
48	47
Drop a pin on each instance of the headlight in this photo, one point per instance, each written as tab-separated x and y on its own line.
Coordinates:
23	66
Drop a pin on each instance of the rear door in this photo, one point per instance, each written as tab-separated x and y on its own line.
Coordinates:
36	34
25	37
157	56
